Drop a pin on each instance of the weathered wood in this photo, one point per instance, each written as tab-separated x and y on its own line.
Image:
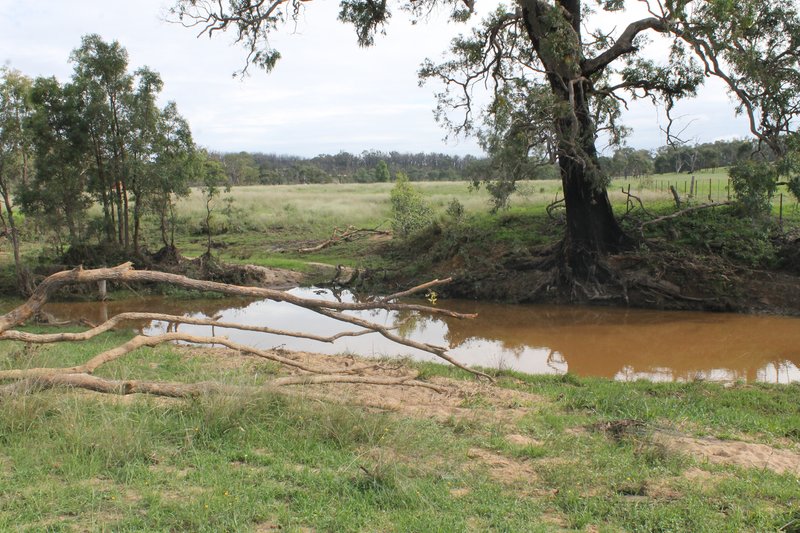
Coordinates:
342	235
80	376
681	213
126	273
189	390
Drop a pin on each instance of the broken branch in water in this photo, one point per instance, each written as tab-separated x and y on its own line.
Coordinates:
81	375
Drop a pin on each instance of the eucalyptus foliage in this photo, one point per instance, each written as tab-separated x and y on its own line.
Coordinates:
103	137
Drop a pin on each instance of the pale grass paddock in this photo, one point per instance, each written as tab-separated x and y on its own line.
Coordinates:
368	204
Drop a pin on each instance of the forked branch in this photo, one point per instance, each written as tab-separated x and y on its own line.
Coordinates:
81	375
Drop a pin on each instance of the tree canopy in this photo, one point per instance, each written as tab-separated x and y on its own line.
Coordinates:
100	137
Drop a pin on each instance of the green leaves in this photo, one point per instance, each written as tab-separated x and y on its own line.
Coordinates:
410	211
367	16
755	183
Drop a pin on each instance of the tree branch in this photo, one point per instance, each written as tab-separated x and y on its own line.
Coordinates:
624	45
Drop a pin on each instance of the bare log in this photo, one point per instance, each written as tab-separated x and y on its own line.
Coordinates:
187	390
43	338
681	213
141	341
126	274
81	375
343	236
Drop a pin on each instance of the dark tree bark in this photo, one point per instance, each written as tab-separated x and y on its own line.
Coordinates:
592	229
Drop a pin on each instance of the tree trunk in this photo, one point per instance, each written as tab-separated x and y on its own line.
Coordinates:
126	217
23	282
137	215
163	224
120	227
592	229
105	197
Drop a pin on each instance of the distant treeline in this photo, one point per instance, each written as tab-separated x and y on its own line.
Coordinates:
244	168
628	162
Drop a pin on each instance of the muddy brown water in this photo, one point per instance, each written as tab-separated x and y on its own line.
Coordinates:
622	344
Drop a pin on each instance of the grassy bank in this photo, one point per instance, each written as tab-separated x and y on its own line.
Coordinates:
265	225
527	454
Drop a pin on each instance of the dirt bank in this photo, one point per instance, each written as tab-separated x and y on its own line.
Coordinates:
657	274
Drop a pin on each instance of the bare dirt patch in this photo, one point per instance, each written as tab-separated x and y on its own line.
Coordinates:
269	525
738	453
459	398
522	440
671	488
6	465
504	469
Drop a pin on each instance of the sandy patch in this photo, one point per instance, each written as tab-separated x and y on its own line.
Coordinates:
522	440
504	469
460	398
738	453
270	525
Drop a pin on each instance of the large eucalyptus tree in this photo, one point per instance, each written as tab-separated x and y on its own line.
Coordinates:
557	82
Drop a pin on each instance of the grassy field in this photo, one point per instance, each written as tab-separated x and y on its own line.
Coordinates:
528	454
262	224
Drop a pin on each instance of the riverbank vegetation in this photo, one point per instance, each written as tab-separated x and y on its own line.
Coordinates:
270	225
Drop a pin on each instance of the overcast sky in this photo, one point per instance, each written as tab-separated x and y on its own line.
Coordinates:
326	95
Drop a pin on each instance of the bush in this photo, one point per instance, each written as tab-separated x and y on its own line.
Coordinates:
755	183
455	210
410	211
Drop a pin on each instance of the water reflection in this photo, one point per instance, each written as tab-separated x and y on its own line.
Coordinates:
621	344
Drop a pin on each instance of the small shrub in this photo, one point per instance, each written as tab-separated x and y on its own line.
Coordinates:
455	210
755	183
410	211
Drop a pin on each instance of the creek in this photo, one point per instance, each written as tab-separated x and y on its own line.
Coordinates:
622	344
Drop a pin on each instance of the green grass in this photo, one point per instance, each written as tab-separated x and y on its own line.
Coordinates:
263	219
80	461
265	225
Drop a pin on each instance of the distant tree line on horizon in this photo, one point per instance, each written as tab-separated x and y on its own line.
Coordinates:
631	163
370	166
373	166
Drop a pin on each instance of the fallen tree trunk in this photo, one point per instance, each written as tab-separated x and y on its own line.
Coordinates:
81	376
343	236
677	214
